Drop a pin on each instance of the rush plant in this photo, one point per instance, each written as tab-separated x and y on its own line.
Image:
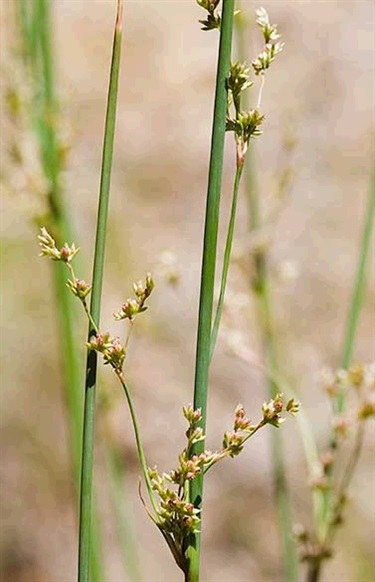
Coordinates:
175	499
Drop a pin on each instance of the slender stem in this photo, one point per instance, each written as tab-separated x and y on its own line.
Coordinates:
226	261
97	281
141	454
358	288
209	259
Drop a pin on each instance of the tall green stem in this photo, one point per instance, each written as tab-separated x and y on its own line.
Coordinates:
209	260
97	281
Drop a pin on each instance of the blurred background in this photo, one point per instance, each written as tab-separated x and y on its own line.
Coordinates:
319	97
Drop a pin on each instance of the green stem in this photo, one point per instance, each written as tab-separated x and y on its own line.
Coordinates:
226	261
358	288
141	454
209	260
97	282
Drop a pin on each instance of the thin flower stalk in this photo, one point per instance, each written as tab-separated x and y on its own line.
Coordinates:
226	260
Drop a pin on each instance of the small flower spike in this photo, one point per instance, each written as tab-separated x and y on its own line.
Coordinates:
49	248
133	307
111	348
271	47
213	20
79	288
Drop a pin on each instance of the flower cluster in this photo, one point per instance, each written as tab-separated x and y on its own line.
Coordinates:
238	81
134	306
49	248
79	288
65	255
271	47
272	410
233	441
213	20
245	124
176	516
111	348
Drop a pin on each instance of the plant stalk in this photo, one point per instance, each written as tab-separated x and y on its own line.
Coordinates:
97	282
209	262
226	261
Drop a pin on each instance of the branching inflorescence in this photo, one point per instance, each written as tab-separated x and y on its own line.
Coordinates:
177	516
111	348
173	512
173	505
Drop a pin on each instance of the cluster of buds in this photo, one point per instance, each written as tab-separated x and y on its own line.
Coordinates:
271	46
272	410
233	441
176	516
134	306
238	81
213	20
49	248
188	468
111	348
79	288
245	125
65	255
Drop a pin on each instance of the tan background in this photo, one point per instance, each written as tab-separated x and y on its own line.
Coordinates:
322	87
